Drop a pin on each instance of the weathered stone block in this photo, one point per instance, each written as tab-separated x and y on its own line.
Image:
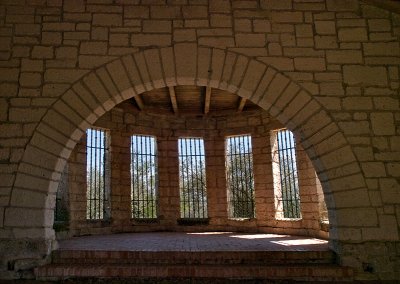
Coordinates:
365	75
151	40
341	6
42	52
108	20
276	4
253	40
309	64
352	34
383	123
93	47
344	56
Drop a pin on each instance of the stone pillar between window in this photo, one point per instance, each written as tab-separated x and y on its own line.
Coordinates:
168	177
216	181
121	209
78	187
309	194
264	198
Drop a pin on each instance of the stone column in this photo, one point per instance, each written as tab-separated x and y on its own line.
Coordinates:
121	208
216	180
168	176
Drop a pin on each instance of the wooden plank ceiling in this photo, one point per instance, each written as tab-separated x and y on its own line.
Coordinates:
191	100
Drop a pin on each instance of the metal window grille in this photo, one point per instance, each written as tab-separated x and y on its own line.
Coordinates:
240	177
144	177
286	146
192	178
97	174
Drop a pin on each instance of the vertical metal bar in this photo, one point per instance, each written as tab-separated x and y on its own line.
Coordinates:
292	186
145	153
250	174
294	174
280	168
233	185
242	153
132	177
137	181
237	179
143	170
289	173
247	174
89	167
104	167
286	173
148	179
182	193
229	171
187	182
202	177
95	175
191	183
196	181
153	174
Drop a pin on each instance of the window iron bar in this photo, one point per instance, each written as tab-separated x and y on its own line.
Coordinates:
192	179
240	176
96	157
290	196
143	177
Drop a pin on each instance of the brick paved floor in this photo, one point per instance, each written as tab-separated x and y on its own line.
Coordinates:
210	241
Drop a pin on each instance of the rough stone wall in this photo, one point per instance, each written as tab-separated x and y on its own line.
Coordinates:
214	130
344	54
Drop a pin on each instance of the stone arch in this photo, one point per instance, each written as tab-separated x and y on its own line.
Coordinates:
32	199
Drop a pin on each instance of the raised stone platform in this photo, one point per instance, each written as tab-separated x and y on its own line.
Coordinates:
214	255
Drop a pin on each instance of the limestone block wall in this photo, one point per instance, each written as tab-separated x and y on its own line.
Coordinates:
327	69
123	122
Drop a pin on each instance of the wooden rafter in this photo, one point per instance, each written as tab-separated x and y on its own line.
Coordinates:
241	104
139	101
173	99
207	100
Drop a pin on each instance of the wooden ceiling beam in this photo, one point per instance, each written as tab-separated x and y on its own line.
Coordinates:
207	100
139	102
174	102
241	104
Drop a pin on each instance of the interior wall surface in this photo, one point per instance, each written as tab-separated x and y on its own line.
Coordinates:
123	122
326	69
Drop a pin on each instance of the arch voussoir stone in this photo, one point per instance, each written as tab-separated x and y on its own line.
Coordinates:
155	68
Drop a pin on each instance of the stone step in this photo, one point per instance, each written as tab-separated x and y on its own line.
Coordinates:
192	257
311	272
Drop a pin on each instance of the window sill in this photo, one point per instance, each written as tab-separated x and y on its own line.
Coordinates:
146	220
193	222
242	219
289	219
99	221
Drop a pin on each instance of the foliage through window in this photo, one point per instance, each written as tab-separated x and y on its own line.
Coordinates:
98	174
240	177
192	178
289	184
144	177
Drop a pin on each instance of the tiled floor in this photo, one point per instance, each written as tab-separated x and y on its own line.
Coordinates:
210	241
